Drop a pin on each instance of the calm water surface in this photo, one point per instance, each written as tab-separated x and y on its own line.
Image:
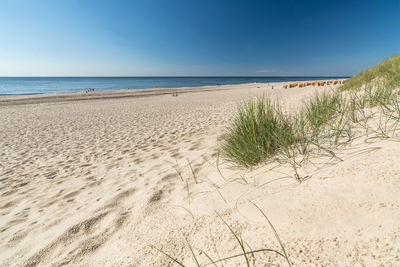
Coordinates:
44	85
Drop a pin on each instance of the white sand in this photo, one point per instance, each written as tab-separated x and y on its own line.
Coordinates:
92	183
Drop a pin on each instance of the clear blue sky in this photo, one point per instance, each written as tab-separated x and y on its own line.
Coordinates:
195	37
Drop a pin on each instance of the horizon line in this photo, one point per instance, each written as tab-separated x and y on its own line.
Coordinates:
183	76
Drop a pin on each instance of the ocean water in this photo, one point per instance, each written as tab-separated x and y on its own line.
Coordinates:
45	85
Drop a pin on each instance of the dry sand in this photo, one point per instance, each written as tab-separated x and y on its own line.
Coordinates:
93	182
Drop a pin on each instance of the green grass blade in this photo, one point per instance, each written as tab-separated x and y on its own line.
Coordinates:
275	233
239	240
169	256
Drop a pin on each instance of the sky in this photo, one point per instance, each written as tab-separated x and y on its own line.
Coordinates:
195	37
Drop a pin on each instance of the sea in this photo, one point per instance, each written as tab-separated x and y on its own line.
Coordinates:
46	85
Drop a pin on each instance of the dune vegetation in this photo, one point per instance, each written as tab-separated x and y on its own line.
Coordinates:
262	132
387	71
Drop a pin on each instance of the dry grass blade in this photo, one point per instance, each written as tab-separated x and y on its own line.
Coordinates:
194	175
178	170
188	191
217	165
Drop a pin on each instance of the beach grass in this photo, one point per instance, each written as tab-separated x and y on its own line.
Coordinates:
387	71
246	251
261	131
320	109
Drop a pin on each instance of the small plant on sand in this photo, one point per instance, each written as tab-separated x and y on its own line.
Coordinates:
242	244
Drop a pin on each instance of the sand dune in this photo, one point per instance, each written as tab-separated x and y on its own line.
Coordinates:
94	182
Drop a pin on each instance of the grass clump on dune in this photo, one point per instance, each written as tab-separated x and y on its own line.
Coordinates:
320	109
260	129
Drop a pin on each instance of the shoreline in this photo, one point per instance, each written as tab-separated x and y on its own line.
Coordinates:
39	98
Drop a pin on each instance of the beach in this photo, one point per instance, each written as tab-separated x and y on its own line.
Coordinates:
98	178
